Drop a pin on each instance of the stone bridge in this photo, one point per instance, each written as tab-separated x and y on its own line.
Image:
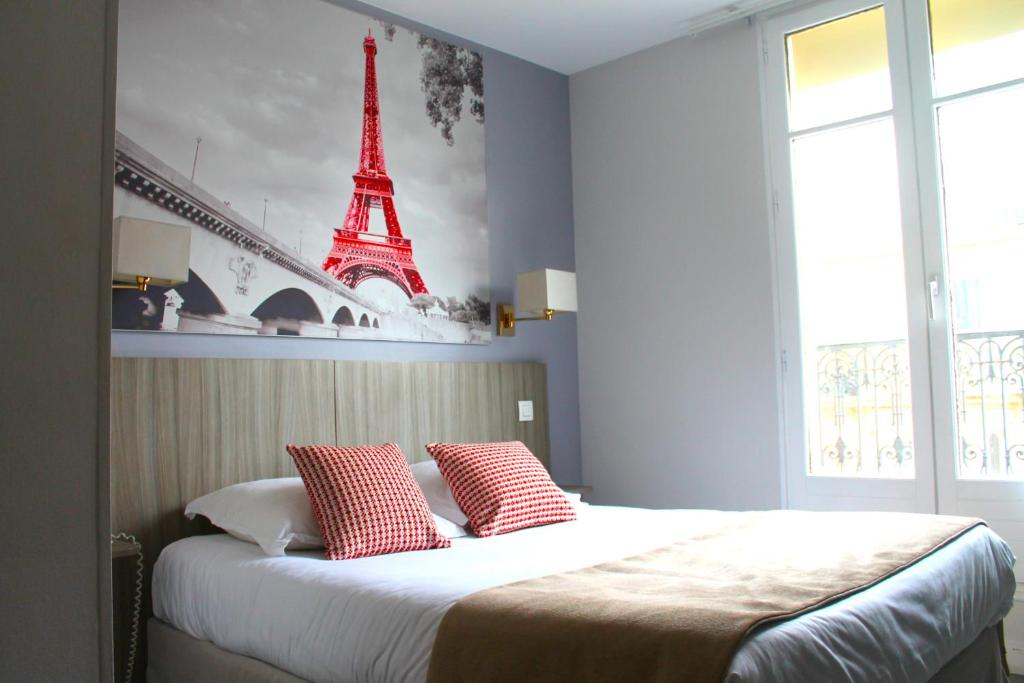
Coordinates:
244	281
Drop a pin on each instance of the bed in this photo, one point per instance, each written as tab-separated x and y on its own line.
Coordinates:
374	619
222	610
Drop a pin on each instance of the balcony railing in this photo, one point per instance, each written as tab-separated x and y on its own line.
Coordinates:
990	404
864	425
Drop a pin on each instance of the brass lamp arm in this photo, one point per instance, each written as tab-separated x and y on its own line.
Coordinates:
507	319
548	314
141	283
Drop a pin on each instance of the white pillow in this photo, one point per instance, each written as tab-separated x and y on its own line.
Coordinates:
448	527
273	513
438	493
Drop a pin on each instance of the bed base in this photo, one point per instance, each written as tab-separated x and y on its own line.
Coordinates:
176	657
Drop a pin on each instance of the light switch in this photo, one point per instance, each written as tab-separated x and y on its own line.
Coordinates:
526	411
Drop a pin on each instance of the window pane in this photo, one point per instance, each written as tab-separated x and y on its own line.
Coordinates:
838	70
976	43
853	321
982	147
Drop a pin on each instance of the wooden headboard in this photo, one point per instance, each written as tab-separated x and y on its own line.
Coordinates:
181	428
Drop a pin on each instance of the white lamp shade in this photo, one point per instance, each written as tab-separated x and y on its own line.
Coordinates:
145	248
547	289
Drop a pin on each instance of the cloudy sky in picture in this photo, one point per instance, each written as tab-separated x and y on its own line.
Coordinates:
275	91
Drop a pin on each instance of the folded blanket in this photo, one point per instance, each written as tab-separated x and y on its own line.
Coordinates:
679	613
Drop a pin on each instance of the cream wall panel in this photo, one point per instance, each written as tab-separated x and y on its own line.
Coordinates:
56	130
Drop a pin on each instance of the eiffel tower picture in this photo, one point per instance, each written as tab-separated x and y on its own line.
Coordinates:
267	145
357	254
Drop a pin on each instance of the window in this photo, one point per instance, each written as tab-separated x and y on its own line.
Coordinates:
853	323
897	152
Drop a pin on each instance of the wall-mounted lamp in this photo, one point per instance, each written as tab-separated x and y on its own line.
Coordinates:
545	292
150	253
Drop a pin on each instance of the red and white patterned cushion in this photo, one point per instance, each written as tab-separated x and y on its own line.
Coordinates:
501	487
366	500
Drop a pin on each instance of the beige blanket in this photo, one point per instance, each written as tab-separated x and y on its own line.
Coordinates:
678	613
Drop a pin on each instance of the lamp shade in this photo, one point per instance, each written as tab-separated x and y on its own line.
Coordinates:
159	251
547	289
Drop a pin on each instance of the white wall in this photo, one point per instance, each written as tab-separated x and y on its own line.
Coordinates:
56	163
678	391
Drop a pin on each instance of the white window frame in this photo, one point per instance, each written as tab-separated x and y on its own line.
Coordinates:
936	487
822	492
952	492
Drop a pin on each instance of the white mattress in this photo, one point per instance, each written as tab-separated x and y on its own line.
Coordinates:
374	619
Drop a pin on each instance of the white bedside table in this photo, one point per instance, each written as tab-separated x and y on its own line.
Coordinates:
581	489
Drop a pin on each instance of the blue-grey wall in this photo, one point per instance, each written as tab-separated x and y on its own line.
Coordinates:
689	416
529	207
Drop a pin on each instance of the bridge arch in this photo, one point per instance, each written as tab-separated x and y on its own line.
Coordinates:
364	320
199	299
344	317
289	304
134	310
376	324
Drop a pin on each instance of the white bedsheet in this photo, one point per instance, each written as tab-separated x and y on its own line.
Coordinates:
374	619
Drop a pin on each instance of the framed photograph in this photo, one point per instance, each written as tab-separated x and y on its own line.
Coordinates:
330	168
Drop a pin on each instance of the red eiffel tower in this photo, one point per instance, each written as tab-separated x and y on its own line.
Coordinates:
357	254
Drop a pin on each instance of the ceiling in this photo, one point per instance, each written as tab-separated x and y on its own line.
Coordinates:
567	35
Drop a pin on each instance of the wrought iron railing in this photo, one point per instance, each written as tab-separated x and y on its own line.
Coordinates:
990	403
864	424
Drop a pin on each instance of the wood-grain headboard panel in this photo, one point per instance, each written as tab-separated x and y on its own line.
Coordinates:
184	427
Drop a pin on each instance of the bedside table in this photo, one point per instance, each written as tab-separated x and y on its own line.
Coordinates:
119	549
581	489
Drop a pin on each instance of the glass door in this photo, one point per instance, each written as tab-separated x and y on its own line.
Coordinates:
971	162
848	244
982	161
967	61
849	252
896	147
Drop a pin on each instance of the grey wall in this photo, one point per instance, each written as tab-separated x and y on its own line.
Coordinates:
529	204
55	163
677	366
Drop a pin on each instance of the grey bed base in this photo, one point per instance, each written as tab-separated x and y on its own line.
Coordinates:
176	657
